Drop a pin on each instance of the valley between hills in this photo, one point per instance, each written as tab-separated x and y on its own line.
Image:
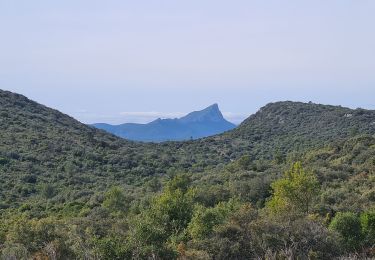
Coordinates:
293	181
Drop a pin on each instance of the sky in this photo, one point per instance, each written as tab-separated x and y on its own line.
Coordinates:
119	61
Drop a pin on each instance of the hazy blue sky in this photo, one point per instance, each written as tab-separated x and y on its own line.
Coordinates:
117	61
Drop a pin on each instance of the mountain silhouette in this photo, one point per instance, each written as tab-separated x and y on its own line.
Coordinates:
197	124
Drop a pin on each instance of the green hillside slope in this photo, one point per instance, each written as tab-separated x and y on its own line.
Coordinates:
284	127
42	146
70	191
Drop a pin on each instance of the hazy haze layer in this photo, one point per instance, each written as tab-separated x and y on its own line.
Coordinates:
122	61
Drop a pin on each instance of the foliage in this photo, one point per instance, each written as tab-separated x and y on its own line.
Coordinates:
205	219
70	191
368	227
294	192
115	200
348	225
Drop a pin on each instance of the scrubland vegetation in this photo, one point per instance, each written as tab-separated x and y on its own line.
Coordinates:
294	181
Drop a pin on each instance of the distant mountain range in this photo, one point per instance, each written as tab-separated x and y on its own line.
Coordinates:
194	125
40	146
57	172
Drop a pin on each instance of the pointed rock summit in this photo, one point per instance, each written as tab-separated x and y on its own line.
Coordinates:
197	124
209	114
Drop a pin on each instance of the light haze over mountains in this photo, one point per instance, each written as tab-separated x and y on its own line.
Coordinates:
197	124
95	60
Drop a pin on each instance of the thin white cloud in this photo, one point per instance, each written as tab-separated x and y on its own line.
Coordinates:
153	114
235	118
142	116
147	116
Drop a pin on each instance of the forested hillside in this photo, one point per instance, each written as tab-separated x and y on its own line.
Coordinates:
294	180
284	127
